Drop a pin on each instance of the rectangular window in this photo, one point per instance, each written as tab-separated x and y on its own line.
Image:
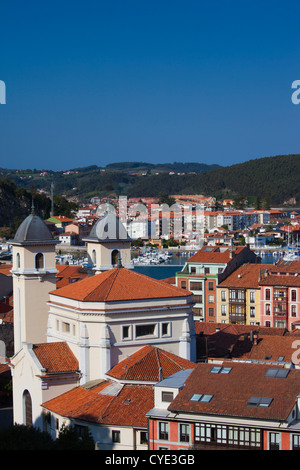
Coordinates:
211	299
193	270
165	329
116	436
229	436
207	270
199	397
144	330
223	295
184	433
268	294
252	296
252	312
125	332
198	311
223	309
210	286
167	396
220	370
66	327
163	431
294	310
211	312
197	299
295	442
195	286
260	402
274	440
294	295
183	284
143	437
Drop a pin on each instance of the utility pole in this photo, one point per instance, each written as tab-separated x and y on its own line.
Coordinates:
52	201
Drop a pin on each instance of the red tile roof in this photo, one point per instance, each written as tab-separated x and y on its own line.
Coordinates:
149	364
218	340
119	284
214	255
56	357
270	348
5	269
207	328
68	274
288	281
127	408
286	267
245	276
231	392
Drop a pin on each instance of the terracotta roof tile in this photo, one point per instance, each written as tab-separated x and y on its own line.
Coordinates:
5	269
213	255
245	276
286	266
231	392
56	357
270	348
289	281
149	364
218	340
119	284
127	408
68	274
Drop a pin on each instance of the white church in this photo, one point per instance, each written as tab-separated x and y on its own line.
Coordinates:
69	340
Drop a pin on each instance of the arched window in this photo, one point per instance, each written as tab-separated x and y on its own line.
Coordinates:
18	262
114	257
27	403
94	257
39	261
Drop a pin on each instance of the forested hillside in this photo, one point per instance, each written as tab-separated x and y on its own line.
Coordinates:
16	203
277	178
274	178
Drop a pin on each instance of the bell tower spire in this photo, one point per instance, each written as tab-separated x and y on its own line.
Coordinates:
34	275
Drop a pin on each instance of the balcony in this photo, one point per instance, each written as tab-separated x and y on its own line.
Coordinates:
280	309
239	318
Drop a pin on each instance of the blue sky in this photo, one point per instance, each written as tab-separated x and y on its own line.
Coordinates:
98	82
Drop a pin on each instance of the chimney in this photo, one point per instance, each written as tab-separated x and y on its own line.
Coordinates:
255	339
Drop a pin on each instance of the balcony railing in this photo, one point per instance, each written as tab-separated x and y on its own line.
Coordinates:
237	318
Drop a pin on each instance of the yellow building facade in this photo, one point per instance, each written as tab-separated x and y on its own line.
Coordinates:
239	296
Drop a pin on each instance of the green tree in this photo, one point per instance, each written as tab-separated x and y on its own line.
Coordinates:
69	439
257	203
20	437
64	207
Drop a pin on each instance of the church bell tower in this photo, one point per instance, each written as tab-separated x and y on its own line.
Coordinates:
34	276
107	243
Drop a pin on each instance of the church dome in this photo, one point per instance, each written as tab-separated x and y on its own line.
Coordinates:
108	228
33	229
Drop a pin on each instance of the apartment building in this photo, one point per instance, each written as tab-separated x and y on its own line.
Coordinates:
280	295
205	270
239	295
227	406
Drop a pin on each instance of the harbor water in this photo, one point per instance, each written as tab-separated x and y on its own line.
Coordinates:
176	263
